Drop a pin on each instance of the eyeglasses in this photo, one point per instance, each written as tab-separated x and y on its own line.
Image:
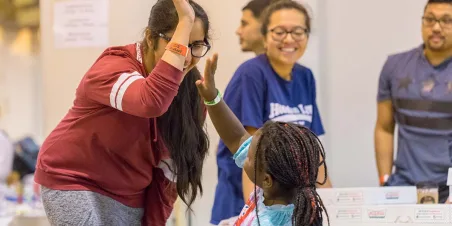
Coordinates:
197	49
297	33
431	21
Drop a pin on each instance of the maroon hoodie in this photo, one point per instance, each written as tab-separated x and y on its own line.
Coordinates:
104	144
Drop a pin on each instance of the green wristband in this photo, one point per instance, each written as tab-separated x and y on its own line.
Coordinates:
214	101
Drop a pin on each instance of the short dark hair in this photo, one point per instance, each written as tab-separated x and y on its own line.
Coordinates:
280	5
257	6
437	2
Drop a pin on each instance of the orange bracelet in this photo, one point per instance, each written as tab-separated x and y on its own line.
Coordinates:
177	48
383	179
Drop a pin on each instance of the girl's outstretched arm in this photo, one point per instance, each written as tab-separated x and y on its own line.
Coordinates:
228	126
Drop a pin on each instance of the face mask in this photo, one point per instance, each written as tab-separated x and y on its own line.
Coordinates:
242	153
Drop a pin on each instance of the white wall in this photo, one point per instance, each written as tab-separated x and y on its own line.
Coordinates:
63	68
19	89
356	39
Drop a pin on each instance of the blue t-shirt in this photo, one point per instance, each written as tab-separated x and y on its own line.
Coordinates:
256	94
421	96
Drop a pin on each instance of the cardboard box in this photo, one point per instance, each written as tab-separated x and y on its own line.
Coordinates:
390	215
368	196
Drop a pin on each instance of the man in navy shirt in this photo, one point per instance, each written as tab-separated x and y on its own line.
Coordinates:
415	92
249	31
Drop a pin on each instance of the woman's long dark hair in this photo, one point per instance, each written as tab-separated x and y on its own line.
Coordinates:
182	130
182	126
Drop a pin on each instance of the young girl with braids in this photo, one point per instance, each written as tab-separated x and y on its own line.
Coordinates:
281	159
272	86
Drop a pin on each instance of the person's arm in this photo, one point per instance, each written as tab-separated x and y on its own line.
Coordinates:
385	124
247	184
181	35
251	89
228	126
203	111
114	80
384	139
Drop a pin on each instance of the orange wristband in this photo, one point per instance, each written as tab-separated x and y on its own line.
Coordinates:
383	179
177	48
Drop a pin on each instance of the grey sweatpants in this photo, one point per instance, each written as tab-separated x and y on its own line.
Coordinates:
80	208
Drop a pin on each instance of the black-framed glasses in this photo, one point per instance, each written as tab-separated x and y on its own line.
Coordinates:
197	49
298	33
429	21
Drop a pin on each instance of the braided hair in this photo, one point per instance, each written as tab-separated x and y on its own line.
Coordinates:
291	154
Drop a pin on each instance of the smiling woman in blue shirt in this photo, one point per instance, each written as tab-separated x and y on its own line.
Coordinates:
271	86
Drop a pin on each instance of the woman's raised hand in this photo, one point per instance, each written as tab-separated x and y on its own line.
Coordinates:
206	86
184	10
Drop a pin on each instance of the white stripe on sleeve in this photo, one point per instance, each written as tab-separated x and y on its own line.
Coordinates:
119	88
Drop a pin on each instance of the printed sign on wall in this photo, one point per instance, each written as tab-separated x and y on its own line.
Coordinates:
80	23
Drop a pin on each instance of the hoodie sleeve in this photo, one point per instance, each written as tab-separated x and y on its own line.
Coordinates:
115	81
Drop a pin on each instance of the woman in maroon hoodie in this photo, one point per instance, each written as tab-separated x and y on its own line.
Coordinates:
136	122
